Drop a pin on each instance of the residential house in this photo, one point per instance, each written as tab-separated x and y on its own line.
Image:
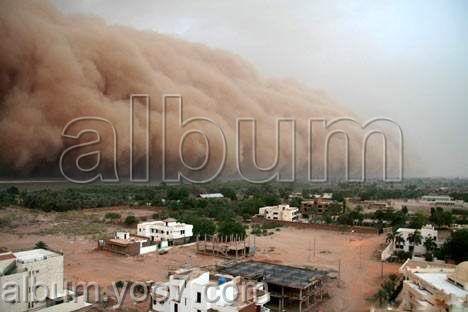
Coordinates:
430	286
131	245
280	213
318	205
37	276
167	230
406	243
196	290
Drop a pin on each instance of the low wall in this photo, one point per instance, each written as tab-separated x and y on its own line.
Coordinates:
148	249
326	227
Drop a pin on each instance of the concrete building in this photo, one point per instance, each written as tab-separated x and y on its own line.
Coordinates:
428	202
197	290
367	206
167	230
37	277
212	195
406	244
318	205
280	213
430	286
132	245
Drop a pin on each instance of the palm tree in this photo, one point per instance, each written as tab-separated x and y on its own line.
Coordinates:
430	244
415	238
399	239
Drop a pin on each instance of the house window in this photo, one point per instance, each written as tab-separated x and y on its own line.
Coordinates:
176	307
182	232
198	297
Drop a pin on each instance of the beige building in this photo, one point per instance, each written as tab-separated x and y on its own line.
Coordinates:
33	281
427	202
280	213
430	286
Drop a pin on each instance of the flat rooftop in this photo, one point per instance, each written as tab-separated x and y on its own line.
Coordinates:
282	275
34	255
439	281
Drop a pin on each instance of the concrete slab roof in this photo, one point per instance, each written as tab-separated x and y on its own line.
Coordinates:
282	275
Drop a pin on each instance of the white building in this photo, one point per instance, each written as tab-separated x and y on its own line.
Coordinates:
434	287
212	195
280	212
37	277
195	290
167	230
406	244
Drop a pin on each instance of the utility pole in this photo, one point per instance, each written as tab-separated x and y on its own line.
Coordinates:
339	272
381	269
315	247
360	257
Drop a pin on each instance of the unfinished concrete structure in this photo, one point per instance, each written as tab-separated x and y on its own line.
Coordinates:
291	288
233	247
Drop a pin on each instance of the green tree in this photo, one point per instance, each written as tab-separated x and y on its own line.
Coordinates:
456	247
439	217
229	193
231	227
131	220
430	244
418	220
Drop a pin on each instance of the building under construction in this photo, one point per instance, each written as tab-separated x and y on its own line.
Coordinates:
232	247
291	288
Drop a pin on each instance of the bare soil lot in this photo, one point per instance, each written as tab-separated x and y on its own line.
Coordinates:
360	268
75	234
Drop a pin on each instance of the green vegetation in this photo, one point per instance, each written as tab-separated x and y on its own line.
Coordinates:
262	229
131	220
439	217
456	247
112	216
388	291
231	228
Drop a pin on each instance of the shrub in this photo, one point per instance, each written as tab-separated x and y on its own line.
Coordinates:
131	220
112	216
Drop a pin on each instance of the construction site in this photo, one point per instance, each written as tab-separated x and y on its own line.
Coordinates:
291	288
232	247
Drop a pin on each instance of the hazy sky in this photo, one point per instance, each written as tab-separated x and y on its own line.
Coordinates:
406	60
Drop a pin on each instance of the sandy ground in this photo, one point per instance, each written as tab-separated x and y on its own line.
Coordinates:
360	269
356	254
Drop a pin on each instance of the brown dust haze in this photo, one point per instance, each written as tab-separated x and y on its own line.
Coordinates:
56	67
